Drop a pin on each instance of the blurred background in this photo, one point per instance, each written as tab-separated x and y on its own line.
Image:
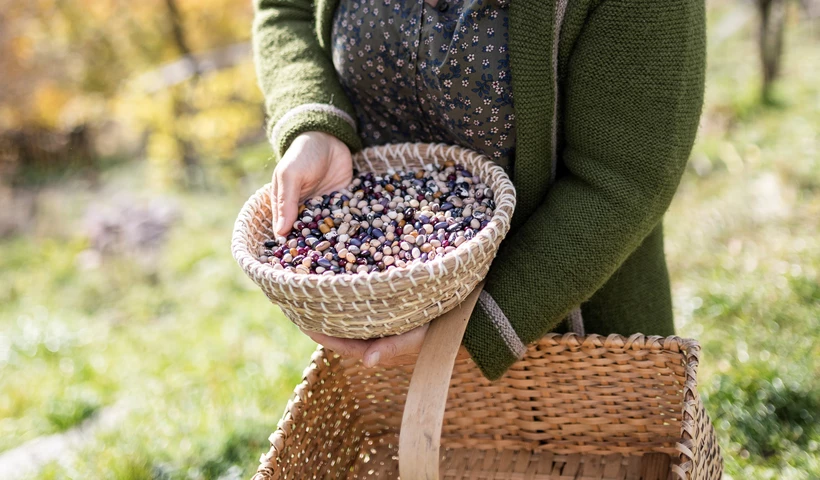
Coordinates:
133	347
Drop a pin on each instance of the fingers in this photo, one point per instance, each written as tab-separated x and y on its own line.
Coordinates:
287	198
346	347
274	201
389	350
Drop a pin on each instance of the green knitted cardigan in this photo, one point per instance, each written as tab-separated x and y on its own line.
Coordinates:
607	99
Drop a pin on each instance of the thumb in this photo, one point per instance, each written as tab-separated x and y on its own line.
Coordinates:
383	350
287	196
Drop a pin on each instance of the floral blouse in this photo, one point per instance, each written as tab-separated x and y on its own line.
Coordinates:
423	73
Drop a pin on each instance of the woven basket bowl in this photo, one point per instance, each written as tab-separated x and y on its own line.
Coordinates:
575	407
380	303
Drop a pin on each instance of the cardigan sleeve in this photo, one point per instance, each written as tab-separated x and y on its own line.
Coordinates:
632	98
296	75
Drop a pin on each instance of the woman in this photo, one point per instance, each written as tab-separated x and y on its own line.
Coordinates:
591	105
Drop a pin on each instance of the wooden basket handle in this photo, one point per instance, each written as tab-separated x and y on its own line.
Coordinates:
420	434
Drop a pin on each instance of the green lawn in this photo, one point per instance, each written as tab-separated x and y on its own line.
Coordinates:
200	365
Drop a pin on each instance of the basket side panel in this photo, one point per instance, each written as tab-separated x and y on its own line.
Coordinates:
318	435
592	395
708	463
338	409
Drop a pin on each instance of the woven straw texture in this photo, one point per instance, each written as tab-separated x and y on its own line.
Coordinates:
380	303
574	408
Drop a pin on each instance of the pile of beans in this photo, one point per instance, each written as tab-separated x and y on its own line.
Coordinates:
384	221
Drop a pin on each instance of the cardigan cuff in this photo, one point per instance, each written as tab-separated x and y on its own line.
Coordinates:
491	339
314	117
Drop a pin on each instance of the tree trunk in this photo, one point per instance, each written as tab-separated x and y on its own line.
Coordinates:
772	26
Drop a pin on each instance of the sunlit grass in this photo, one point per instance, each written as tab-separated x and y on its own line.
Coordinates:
745	257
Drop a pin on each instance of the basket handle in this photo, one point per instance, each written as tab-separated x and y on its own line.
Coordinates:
420	434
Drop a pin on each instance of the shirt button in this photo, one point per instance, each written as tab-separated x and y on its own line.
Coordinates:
442	6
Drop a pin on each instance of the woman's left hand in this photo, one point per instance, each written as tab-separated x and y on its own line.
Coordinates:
390	351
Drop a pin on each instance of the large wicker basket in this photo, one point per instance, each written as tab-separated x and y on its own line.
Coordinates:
575	407
381	303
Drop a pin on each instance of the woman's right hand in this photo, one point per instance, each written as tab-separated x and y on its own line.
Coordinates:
316	163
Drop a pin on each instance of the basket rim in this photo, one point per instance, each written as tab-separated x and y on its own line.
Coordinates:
682	466
500	222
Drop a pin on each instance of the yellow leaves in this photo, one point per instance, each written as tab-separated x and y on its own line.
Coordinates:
47	104
22	48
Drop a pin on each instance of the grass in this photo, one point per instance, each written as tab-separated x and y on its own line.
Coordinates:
200	365
744	254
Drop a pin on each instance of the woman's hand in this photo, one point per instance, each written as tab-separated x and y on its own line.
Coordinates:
315	163
389	351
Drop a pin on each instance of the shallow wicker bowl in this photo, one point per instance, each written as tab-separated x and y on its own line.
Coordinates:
380	303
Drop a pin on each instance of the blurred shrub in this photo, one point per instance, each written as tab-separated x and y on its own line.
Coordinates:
68	64
71	409
764	414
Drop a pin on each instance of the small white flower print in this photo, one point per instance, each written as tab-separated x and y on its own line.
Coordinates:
470	57
488	101
481	133
476	122
497	154
508	126
448	83
488	142
494	130
490	32
485	63
478	110
494	119
495	110
466	118
502	137
489	48
475	39
468	132
465	83
467	102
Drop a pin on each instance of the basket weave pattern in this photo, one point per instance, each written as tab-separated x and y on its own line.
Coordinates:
575	407
380	303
